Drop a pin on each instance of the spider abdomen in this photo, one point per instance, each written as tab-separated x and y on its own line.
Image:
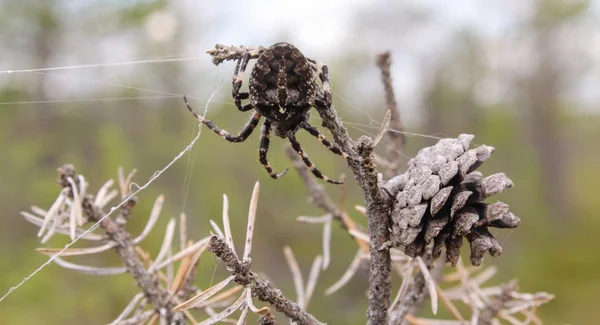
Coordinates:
282	85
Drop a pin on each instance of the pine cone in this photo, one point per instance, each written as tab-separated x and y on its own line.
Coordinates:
441	201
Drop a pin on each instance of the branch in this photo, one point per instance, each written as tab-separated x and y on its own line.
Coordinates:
490	312
437	271
267	319
318	196
397	139
321	199
415	294
378	208
260	288
125	247
229	53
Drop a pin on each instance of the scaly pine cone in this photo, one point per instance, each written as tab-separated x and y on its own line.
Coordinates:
441	201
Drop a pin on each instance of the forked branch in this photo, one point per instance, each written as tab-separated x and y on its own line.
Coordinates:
261	289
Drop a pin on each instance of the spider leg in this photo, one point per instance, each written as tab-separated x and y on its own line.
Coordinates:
238	78
244	133
296	145
323	72
264	148
316	133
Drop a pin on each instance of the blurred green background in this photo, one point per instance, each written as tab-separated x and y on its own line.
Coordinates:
520	75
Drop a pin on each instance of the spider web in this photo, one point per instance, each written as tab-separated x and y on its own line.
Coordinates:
139	189
369	129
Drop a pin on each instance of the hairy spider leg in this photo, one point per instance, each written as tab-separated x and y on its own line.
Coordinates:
316	133
240	137
238	79
264	148
323	72
296	145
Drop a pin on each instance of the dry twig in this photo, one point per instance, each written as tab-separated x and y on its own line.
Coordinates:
397	138
260	288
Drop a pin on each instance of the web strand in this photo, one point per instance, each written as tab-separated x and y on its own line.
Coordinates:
100	65
162	59
113	209
44	71
375	124
165	95
86	100
189	170
104	83
106	99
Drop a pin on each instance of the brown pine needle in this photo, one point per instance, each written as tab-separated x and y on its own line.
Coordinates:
184	266
224	295
448	303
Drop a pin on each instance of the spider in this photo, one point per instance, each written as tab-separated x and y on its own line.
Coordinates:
282	88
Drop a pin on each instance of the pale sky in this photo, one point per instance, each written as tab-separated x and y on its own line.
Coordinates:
326	30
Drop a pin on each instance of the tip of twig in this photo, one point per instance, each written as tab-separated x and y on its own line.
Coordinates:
384	127
251	220
382	58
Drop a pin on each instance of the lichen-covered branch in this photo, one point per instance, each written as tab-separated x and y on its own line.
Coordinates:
378	207
261	289
378	212
229	53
